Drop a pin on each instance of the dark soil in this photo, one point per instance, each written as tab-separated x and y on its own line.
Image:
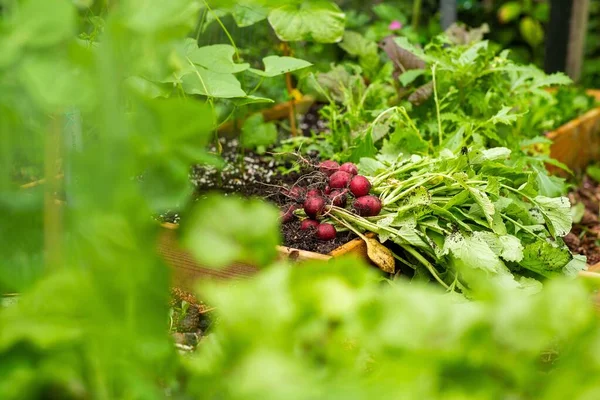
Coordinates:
311	122
584	238
305	240
262	175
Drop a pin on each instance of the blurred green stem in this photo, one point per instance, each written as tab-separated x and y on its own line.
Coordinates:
416	14
52	220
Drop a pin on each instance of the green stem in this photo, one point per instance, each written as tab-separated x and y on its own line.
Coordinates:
260	82
392	200
410	122
350	227
237	53
522	226
405	168
426	263
437	105
403	261
363	237
416	14
200	25
518	192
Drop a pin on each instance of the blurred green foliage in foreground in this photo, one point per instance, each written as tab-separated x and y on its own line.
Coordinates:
92	318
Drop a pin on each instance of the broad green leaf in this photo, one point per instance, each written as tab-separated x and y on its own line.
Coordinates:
555	79
408	235
512	249
222	230
212	84
146	87
319	21
481	199
363	147
370	166
576	265
549	160
216	58
457	200
357	45
257	133
557	214
416	202
478	265
503	116
577	212
545	258
276	65
493	154
469	56
403	141
531	187
508	247
549	185
408	77
493	186
473	252
248	14
251	100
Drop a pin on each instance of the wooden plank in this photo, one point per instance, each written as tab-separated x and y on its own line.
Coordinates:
187	271
577	34
277	112
577	143
289	253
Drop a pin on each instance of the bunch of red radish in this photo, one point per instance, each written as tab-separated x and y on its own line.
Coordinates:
342	182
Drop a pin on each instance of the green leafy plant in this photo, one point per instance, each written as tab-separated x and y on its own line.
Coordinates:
328	331
320	21
474	90
459	216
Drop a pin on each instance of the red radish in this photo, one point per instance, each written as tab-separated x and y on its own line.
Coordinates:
327	190
367	206
295	193
313	192
349	168
360	186
314	206
326	232
308	223
288	214
328	167
339	180
338	197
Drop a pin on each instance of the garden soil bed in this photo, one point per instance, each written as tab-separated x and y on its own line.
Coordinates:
584	238
249	174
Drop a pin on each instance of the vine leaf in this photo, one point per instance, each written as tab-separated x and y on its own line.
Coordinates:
276	65
319	21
